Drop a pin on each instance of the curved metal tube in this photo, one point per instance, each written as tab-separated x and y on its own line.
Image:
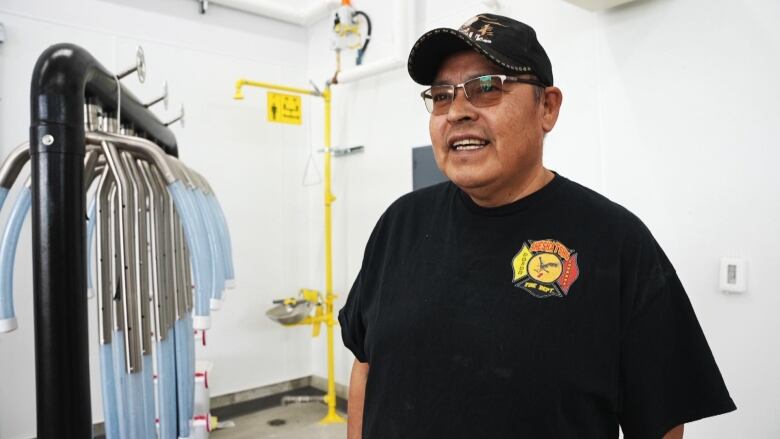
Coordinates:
105	254
91	220
66	76
127	271
13	165
140	147
111	406
140	245
157	253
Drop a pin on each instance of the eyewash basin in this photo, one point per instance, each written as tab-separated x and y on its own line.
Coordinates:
289	314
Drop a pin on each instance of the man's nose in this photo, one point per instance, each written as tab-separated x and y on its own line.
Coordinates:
460	108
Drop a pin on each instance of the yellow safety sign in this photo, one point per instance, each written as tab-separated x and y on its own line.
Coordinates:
284	108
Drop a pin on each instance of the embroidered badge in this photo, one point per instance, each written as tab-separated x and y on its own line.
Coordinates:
545	268
480	28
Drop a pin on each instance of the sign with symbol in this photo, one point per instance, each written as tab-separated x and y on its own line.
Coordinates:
284	108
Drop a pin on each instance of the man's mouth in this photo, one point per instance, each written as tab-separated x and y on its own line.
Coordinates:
469	144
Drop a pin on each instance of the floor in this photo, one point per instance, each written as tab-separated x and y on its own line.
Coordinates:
301	421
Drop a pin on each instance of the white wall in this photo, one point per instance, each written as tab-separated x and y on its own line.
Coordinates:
670	108
255	167
689	128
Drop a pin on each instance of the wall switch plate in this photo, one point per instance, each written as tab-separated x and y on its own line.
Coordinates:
733	275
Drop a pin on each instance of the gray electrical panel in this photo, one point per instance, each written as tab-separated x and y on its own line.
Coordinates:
424	170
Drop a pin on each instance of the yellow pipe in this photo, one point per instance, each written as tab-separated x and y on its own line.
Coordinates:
330	398
242	82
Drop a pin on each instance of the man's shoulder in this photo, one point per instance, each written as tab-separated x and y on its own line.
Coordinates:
589	204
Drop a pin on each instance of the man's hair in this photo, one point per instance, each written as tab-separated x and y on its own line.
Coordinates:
538	94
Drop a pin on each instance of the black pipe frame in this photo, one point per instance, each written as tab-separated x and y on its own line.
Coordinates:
64	78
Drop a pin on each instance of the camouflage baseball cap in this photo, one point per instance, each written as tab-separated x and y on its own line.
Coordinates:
504	41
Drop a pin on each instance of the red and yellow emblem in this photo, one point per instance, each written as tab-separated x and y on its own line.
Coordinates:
545	268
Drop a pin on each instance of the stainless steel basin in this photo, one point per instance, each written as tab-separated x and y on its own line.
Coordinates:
290	314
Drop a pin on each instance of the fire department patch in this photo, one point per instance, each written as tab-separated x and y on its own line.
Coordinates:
545	268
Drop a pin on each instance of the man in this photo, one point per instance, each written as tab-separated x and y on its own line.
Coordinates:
512	302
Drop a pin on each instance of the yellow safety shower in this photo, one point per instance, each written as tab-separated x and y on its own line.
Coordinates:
297	310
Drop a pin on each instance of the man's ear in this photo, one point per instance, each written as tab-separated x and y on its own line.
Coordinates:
552	107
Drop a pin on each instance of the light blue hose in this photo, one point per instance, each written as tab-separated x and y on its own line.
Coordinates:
195	245
90	233
214	236
182	338
135	404
206	257
111	420
221	261
166	386
3	196
190	367
227	250
120	379
148	388
7	255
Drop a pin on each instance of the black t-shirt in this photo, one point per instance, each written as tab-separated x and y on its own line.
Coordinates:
557	316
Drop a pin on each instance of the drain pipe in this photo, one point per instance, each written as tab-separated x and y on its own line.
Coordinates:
288	14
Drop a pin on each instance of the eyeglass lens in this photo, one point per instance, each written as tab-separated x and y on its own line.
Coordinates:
481	92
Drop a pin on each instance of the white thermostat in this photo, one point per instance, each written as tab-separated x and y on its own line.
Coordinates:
733	275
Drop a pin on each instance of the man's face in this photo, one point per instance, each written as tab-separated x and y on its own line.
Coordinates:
510	133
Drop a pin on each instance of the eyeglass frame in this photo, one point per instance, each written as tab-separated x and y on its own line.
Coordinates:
462	85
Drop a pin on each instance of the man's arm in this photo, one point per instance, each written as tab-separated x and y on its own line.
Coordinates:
357	394
675	433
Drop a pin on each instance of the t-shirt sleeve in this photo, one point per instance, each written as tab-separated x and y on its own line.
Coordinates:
353	327
353	317
668	375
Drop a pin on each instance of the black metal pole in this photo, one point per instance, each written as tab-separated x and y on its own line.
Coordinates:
64	76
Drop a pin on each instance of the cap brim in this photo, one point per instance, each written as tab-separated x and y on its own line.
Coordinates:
434	46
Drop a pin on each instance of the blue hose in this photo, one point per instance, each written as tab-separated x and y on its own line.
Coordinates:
120	379
191	367
167	388
111	417
135	404
214	236
148	390
184	403
227	250
194	238
7	255
205	258
3	195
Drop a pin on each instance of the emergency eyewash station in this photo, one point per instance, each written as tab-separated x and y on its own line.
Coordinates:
295	311
163	253
310	307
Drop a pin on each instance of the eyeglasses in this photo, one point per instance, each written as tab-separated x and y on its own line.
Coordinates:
482	91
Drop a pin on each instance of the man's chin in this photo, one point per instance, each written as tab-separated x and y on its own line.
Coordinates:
469	183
